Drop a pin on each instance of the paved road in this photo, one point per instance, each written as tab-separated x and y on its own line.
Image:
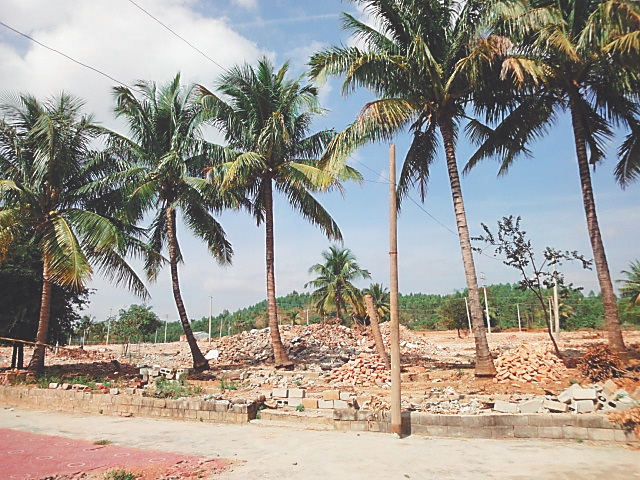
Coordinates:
261	451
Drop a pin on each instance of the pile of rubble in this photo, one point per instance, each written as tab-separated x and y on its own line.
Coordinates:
323	344
365	369
576	399
527	363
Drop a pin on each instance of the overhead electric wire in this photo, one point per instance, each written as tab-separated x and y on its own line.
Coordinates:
417	204
178	35
63	54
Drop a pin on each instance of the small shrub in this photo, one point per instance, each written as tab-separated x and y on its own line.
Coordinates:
300	408
170	389
120	475
102	442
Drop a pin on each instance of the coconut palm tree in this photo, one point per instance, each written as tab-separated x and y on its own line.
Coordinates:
167	156
380	296
418	60
334	287
265	118
631	285
52	193
582	57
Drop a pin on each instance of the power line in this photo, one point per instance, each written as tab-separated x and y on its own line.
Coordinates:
417	204
178	35
64	55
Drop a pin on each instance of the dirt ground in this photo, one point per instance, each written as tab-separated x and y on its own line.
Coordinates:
441	358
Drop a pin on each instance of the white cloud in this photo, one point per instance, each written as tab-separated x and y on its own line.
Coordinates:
248	4
123	42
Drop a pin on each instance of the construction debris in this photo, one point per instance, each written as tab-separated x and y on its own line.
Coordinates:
366	370
599	363
528	363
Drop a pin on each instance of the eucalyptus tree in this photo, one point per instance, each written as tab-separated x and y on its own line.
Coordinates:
423	60
52	192
580	57
333	286
265	118
167	156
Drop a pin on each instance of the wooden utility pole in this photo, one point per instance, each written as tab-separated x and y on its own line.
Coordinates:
396	414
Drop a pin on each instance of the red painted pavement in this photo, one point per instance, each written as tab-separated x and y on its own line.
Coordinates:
26	455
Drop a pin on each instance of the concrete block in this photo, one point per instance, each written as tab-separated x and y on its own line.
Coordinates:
222	405
602	434
114	391
551	432
130	391
555	406
345	414
53	385
525	432
625	403
325	403
280	393
505	407
567	395
625	436
331	395
296	393
345	396
609	388
310	402
340	404
584	394
502	432
575	433
294	402
582	406
531	406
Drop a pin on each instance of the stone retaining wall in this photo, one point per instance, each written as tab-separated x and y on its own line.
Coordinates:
126	405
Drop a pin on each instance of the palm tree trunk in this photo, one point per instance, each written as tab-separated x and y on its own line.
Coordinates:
484	362
281	358
36	364
375	329
611	315
339	306
199	362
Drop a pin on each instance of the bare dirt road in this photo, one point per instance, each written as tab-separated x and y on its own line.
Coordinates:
261	451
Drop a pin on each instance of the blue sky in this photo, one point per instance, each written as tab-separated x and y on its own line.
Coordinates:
119	39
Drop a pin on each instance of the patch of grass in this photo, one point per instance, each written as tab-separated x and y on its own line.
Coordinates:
120	475
300	408
227	384
171	389
102	442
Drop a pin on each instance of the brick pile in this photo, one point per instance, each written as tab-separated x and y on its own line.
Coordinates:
365	369
527	363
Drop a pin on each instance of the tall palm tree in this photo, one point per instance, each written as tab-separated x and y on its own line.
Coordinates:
419	62
334	287
580	56
168	157
380	296
52	190
631	285
266	118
